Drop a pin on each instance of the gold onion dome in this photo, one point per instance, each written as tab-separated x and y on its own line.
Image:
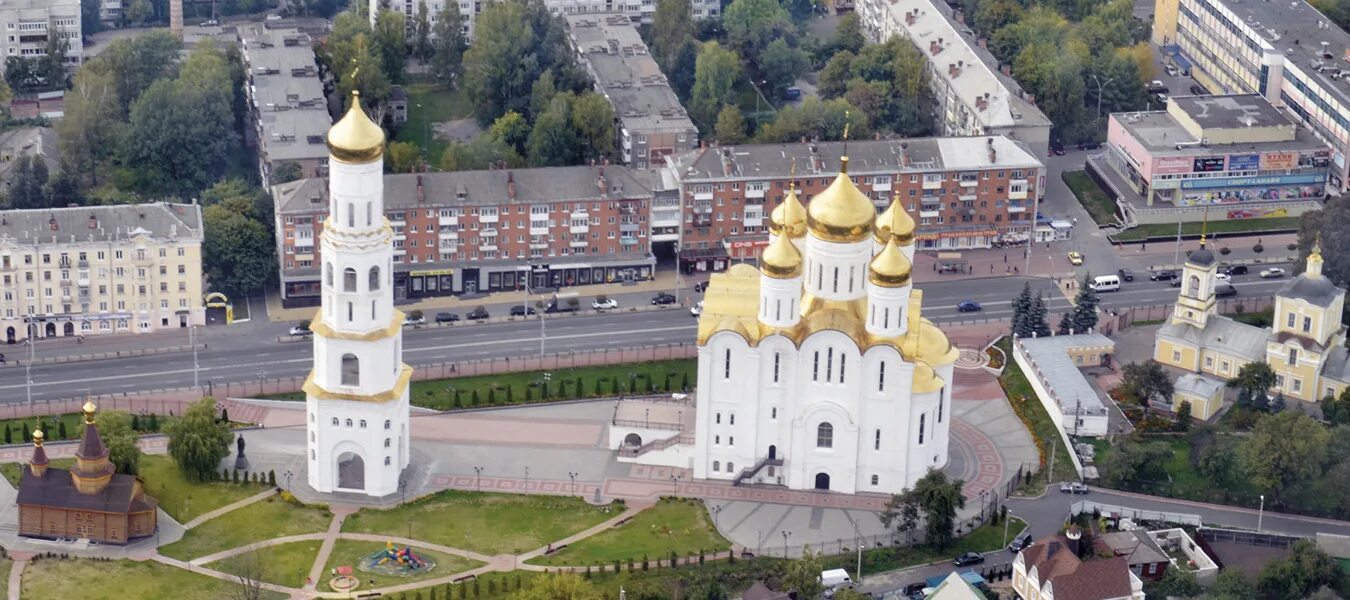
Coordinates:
1315	256
789	216
38	436
841	213
926	380
781	259
890	268
355	138
89	410
925	342
896	223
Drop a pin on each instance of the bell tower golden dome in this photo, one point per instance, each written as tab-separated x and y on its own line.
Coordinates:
890	268
895	223
781	259
355	138
841	213
789	217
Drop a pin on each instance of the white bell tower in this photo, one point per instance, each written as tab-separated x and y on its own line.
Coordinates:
357	393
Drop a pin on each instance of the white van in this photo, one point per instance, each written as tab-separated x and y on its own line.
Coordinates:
835	578
1106	283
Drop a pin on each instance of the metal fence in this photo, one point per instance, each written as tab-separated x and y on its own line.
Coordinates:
1111	510
1161	312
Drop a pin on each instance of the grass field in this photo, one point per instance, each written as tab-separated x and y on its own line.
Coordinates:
437	104
185	500
1090	195
1028	408
350	552
983	539
266	519
1169	230
483	522
286	564
680	526
119	580
563	384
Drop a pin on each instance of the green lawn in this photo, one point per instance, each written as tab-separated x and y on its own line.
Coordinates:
350	552
680	526
185	500
286	564
484	522
1169	230
563	384
267	519
438	104
1028	408
120	580
1183	480
13	471
1092	197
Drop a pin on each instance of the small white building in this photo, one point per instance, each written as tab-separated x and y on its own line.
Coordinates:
1052	366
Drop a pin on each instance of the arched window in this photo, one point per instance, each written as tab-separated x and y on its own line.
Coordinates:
726	366
374	278
349	422
731	467
717	466
825	436
1193	286
922	418
351	214
386	461
351	370
386	442
335	421
328	274
363	423
843	358
881	377
368	214
386	424
875	480
349	280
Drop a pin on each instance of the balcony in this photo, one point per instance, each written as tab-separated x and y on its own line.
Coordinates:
1017	207
929	214
488	231
578	243
702	220
579	228
487	218
536	245
1020	195
538	227
754	192
929	184
969	183
628	240
448	221
703	196
488	247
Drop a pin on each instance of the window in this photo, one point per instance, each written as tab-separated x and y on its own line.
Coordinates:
942	400
363	423
1176	356
386	423
717	418
351	215
726	365
717	466
815	366
349	422
1307	324
351	370
335	421
829	363
731	441
842	358
731	467
328	274
1193	286
374	283
732	418
921	424
876	441
349	280
825	436
876	480
386	461
386	442
1298	386
1290	319
1293	356
777	358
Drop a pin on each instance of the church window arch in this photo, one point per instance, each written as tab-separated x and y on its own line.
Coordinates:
386	461
843	358
349	422
942	402
829	364
851	278
881	377
1193	285
350	312
386	442
726	367
363	423
717	466
825	435
351	369
773	412
876	480
777	361
335	421
876	441
731	467
922	418
374	278
732	418
349	279
351	214
835	285
369	208
328	274
386	424
717	418
815	366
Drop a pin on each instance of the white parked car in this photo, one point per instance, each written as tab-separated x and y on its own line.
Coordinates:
274	17
1272	273
301	329
604	304
697	309
1223	277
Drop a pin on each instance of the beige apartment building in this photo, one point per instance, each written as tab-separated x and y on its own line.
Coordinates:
29	23
100	270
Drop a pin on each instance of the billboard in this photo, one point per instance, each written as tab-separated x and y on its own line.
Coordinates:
1172	165
1208	164
1279	160
1244	162
1221	182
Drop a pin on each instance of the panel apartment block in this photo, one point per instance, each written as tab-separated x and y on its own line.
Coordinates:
286	98
29	23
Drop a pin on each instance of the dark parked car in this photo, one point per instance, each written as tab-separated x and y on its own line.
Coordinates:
520	311
663	298
477	314
969	558
1163	276
1223	288
1234	270
1199	91
1057	148
968	306
1020	543
1125	275
446	317
700	286
1089	145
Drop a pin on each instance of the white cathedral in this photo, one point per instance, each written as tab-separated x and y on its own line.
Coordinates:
816	371
357	393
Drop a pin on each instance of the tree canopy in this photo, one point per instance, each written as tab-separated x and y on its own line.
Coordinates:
238	249
198	441
1284	450
715	74
515	43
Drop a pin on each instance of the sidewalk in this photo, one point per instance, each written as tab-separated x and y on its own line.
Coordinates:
999	262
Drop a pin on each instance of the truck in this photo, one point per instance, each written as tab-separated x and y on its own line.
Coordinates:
835	579
563	303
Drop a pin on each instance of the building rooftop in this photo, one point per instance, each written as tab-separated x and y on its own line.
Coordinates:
1311	44
1240	339
1136	546
157	220
1196	384
1232	112
1319	291
1160	133
955	587
286	92
1074	578
1006	103
626	74
28	141
295	134
478	188
761	161
1060	373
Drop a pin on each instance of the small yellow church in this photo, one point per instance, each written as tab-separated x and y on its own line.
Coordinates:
1305	345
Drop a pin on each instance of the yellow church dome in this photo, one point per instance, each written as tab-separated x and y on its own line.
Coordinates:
841	213
789	216
781	260
355	138
896	223
889	268
926	380
925	342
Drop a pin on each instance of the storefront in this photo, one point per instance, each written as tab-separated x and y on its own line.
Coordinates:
746	247
700	260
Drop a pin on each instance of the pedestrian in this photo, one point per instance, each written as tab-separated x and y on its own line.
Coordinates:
1016	271
1143	247
1007	269
991	267
1005	257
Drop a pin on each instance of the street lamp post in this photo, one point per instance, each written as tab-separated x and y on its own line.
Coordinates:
1005	532
28	368
674	485
717	512
1100	85
288	480
192	341
478	478
573	477
786	534
1260	513
859	571
983	495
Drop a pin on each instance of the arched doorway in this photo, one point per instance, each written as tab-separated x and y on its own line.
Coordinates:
773	452
51	330
351	471
69	328
632	440
9	335
822	481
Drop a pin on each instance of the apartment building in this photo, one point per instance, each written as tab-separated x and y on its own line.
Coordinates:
1286	51
29	23
652	124
967	192
109	11
467	232
637	11
286	99
100	270
975	95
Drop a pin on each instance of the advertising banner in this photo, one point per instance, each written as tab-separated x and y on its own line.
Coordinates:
1209	164
1279	160
1220	182
1172	165
1244	162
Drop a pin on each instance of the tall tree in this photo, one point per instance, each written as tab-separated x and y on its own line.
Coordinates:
715	76
91	131
940	499
1133	463
681	75
1284	450
133	64
511	129
1232	584
515	42
28	187
1253	381
247	571
391	44
90	19
120	439
553	140
815	119
1036	323
730	125
483	152
593	120
781	65
421	42
403	157
752	24
1298	575
902	512
198	442
672	26
803	576
1334	230
237	251
848	35
1021	308
1147	381
1085	306
835	76
447	58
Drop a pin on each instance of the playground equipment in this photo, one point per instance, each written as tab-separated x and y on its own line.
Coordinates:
396	561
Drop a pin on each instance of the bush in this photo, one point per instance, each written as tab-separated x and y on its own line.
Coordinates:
1225	251
1258	248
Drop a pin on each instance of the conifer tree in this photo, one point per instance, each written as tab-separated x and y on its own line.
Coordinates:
1085	306
1021	305
1065	324
1035	322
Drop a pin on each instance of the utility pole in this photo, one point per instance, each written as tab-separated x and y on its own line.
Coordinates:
1005	532
1100	85
28	368
192	341
860	549
1176	258
1051	471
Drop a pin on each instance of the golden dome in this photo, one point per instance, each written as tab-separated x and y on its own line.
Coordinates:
925	342
781	260
896	223
926	380
890	268
355	138
38	436
789	215
841	213
89	410
741	271
835	319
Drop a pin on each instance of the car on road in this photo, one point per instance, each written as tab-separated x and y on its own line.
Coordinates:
700	287
1222	277
1057	148
520	311
969	558
411	319
604	303
274	17
1199	91
1235	270
663	298
1156	86
1073	487
445	317
1171	70
301	329
1089	145
1162	276
1160	97
477	314
210	23
969	306
1075	258
1125	274
1223	288
697	309
1272	273
1020	543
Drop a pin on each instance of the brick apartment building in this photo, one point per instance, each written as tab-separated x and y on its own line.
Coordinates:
966	192
468	232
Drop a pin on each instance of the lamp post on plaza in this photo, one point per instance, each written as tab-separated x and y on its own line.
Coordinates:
1260	513
674	485
786	534
288	476
478	478
573	477
717	512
